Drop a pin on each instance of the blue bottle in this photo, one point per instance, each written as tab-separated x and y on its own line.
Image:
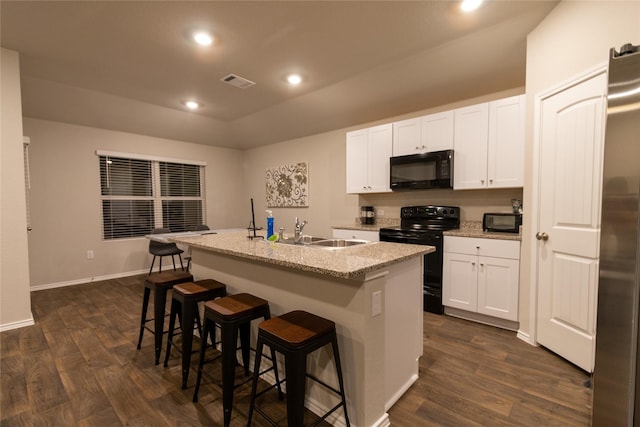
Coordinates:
269	223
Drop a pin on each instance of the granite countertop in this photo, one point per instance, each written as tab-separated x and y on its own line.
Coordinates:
474	229
380	223
351	262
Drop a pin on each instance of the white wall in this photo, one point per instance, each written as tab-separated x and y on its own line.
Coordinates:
15	302
575	37
65	199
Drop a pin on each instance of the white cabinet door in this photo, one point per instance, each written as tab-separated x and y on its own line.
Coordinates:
433	132
368	152
380	147
460	281
470	145
357	161
482	276
437	131
505	150
341	233
406	137
498	280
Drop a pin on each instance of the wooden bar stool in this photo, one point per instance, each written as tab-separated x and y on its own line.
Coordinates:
184	304
159	283
232	313
295	335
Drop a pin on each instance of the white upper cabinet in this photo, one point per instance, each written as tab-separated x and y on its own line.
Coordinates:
470	147
489	145
505	159
368	153
423	134
437	131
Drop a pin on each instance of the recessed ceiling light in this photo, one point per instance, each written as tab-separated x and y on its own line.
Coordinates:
192	105
294	79
202	38
470	5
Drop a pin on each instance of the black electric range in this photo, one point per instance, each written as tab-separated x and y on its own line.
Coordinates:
424	225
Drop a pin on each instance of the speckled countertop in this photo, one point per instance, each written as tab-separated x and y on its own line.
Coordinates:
474	229
380	223
351	262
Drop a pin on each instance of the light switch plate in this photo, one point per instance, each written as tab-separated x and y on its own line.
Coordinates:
376	303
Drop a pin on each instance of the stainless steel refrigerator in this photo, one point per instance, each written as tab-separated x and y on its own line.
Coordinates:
616	380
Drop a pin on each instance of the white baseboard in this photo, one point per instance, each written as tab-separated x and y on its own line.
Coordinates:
18	324
87	280
400	392
481	318
526	338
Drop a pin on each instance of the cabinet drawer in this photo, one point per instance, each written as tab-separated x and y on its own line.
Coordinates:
486	247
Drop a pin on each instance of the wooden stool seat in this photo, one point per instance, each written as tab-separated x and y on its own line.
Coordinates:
297	328
199	289
159	283
184	303
295	335
233	314
236	306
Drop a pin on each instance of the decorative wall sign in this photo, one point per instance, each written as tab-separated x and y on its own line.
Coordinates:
287	186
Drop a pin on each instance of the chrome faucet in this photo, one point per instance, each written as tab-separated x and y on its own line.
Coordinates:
298	230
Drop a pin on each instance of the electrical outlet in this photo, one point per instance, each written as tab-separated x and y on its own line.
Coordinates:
380	212
89	254
376	303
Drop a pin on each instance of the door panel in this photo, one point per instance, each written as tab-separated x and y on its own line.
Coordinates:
460	286
570	174
498	287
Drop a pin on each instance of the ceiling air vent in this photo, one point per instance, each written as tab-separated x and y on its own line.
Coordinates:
237	81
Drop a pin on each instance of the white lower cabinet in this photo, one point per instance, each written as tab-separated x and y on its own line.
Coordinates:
482	276
342	233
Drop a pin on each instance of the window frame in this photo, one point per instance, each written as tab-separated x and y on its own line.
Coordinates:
156	197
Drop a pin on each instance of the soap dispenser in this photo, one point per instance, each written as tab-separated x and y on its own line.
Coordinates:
269	223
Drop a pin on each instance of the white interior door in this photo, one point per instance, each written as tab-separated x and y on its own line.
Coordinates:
568	227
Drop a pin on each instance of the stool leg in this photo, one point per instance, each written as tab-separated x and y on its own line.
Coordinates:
187	338
143	316
275	372
256	375
172	324
152	261
295	364
245	337
203	348
336	358
229	342
159	301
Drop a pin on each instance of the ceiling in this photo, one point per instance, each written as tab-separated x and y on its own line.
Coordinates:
128	65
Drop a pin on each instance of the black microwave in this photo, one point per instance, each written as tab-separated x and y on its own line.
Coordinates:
422	171
502	222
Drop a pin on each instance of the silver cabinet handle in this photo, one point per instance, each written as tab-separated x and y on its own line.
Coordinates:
542	236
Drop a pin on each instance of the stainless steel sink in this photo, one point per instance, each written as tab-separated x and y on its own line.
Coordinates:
306	240
323	242
338	243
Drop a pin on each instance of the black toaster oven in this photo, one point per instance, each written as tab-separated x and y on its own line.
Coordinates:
502	222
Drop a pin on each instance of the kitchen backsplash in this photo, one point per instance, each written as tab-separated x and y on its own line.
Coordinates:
473	203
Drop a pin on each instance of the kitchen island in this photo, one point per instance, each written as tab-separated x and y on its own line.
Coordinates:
373	292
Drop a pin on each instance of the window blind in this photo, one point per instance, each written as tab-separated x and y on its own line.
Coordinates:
139	195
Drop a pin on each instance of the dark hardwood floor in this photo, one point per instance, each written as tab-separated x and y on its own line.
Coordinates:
78	366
